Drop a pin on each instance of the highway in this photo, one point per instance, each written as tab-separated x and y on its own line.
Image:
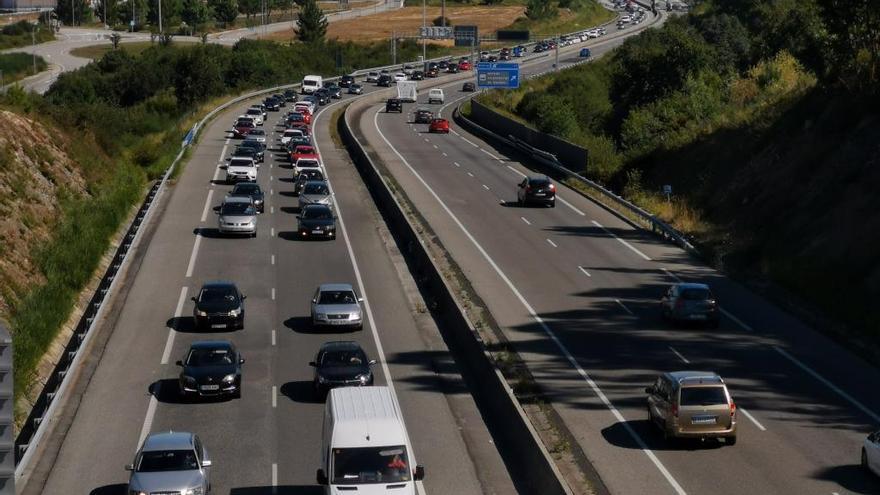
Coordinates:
268	441
575	289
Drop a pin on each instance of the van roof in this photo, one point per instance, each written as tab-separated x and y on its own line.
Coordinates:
365	417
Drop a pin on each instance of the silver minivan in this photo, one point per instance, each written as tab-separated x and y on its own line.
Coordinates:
173	462
237	215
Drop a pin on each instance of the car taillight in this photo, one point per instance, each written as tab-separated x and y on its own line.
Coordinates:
732	409
551	187
675	410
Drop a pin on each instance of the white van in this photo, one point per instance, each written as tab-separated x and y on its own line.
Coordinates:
312	83
365	446
436	96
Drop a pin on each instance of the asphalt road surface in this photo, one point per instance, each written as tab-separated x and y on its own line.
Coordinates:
575	289
268	441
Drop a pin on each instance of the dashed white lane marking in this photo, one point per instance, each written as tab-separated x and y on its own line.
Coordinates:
475	145
273	293
274	475
584	270
457	164
628	245
552	243
526	221
684	359
274	396
619	302
273	336
852	400
470	174
272	232
752	418
169	342
271	192
435	147
271	178
216	174
485	187
566	203
272	258
490	154
516	171
427	140
444	153
271	210
207	205
193	255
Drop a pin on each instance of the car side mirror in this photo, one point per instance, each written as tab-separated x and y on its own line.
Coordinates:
298	217
321	477
360	299
228	158
312	364
129	467
194	299
419	473
206	463
178	363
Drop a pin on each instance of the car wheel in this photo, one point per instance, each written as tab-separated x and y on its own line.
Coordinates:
730	440
237	393
553	204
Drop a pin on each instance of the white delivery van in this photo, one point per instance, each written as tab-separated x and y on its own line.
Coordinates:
436	95
407	91
365	446
312	83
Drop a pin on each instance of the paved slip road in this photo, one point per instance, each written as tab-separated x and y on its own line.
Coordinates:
593	281
271	436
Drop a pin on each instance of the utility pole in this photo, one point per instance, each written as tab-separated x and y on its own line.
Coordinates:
160	16
34	43
424	32
133	20
393	48
72	14
556	64
443	13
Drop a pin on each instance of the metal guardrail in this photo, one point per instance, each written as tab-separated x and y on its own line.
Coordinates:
548	159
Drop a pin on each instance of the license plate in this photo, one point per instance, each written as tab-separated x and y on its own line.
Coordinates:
316	231
703	420
539	194
218	325
210	387
698	317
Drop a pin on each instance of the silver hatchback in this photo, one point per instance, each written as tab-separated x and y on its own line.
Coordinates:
690	302
337	305
237	215
173	462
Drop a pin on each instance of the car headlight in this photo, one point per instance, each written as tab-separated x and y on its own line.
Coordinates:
229	379
201	313
321	316
189	379
235	312
364	379
354	316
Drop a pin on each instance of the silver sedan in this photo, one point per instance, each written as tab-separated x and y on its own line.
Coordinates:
315	192
337	305
237	215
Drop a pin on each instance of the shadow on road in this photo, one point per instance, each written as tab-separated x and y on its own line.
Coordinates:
302	391
852	477
619	436
279	490
117	489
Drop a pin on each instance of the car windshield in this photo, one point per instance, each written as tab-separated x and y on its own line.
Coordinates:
342	358
241	163
306	163
237	209
370	465
209	357
703	396
538	182
337	297
317	214
244	151
246	189
244	123
696	294
316	188
254	111
167	460
258	132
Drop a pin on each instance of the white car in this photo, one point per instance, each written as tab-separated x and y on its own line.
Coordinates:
372	76
304	163
290	134
871	453
308	104
400	76
241	169
256	114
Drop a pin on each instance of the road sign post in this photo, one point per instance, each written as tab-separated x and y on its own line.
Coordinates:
498	75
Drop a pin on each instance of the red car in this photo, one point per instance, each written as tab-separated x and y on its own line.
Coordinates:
302	151
243	128
464	65
439	125
301	126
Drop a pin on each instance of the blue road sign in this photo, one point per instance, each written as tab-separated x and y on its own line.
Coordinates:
497	75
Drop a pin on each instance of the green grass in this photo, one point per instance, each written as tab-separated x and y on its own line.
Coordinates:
95	52
582	15
19	34
17	66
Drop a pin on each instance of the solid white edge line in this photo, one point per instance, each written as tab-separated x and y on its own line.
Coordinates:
207	205
223	151
630	246
169	342
668	272
516	171
684	359
573	207
552	243
490	154
752	418
383	360
852	400
618	301
274	396
735	319
584	270
544	326
193	255
475	145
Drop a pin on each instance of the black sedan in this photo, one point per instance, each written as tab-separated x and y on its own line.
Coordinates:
251	190
341	364
423	116
452	69
211	369
271	104
417	75
258	147
393	105
536	189
469	87
244	152
316	221
304	176
385	80
346	81
334	90
219	304
290	95
322	95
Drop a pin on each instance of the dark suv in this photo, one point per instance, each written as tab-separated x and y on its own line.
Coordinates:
393	105
346	81
385	80
536	189
219	304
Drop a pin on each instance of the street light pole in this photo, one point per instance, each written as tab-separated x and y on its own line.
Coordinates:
160	16
443	13
424	32
34	43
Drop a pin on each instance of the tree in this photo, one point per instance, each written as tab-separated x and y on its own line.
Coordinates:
540	9
225	11
312	23
249	8
198	75
194	12
854	29
170	13
111	8
73	12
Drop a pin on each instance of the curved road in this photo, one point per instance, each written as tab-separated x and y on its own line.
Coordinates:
575	289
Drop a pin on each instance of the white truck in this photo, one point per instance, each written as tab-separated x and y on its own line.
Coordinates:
312	83
364	444
407	91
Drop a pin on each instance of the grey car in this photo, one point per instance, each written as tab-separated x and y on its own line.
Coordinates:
690	302
173	462
315	192
237	215
337	305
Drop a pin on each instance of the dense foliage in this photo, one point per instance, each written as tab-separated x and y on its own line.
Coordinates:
22	33
312	23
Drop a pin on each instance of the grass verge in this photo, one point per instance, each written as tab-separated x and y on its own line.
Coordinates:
17	66
582	14
19	34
